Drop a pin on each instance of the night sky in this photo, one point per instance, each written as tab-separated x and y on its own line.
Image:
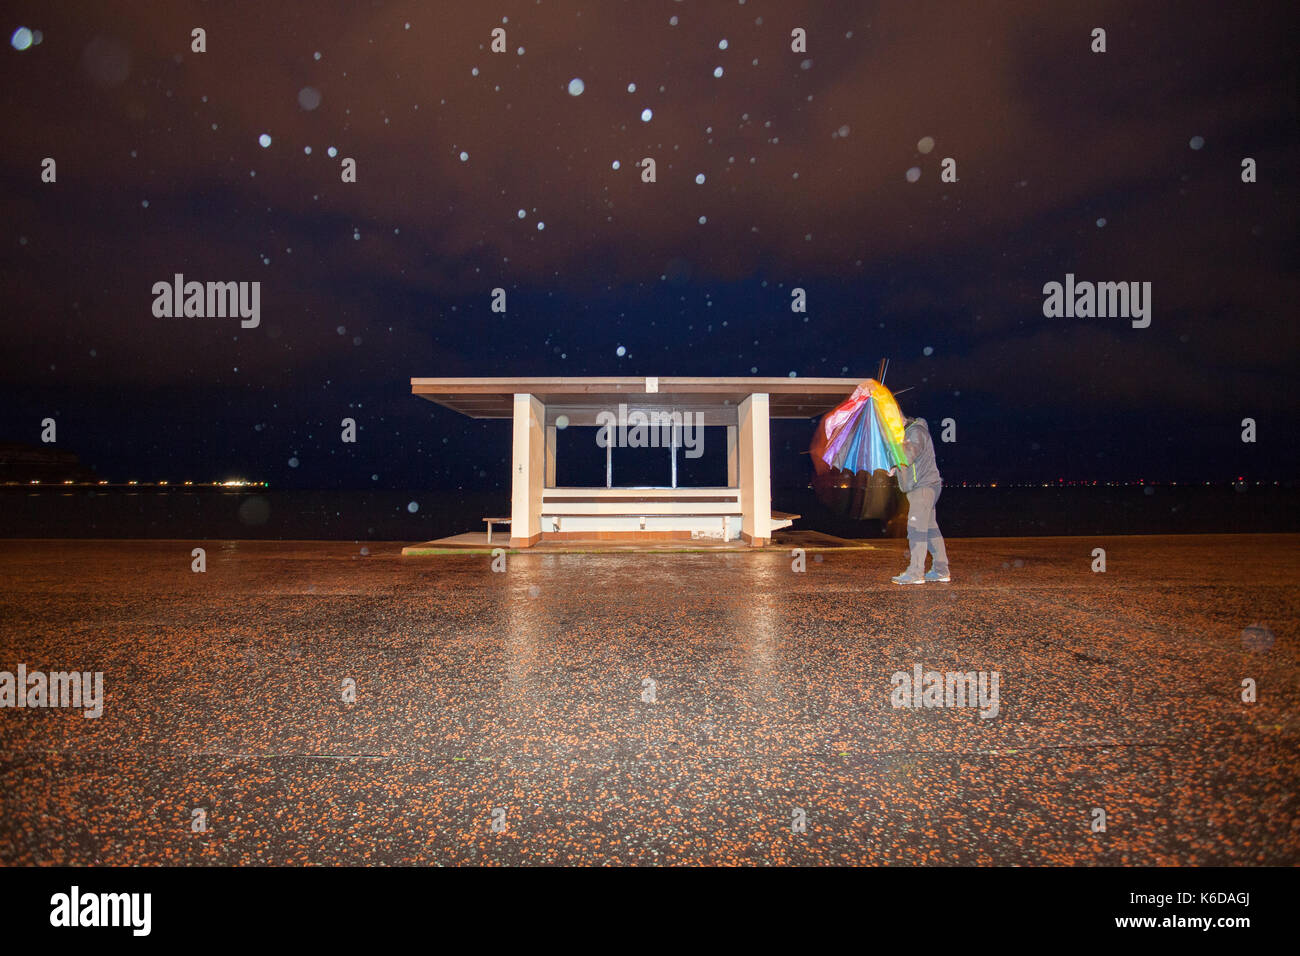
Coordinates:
1116	166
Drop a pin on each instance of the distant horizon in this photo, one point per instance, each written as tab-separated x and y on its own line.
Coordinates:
232	484
232	480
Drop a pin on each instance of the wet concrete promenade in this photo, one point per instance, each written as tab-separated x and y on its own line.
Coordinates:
654	708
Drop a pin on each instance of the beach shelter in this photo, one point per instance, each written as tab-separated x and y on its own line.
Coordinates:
538	406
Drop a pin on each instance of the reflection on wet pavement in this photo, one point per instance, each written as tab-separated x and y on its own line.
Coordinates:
652	708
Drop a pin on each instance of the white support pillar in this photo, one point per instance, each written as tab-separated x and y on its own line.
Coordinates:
733	458
550	456
755	470
527	470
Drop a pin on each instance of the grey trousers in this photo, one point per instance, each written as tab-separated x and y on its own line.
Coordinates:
923	530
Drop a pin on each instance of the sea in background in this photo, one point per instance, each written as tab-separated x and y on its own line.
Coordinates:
420	515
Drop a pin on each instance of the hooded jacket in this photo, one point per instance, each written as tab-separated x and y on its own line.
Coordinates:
921	471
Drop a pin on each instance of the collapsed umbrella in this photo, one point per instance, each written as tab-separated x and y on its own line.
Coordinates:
863	433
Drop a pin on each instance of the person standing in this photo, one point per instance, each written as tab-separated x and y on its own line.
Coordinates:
919	479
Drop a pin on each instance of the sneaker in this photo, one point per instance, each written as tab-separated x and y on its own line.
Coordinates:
909	577
943	578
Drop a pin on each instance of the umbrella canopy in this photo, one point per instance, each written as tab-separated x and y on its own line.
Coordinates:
863	433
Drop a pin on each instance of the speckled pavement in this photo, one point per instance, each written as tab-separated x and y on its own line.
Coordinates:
515	699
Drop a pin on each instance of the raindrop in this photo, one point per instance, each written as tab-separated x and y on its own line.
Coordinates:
1196	142
646	115
293	462
699	179
264	141
521	214
464	156
576	86
717	71
925	144
332	152
541	226
703	220
412	506
843	131
914	174
928	350
616	164
309	97
562	422
1101	223
722	44
620	351
21	39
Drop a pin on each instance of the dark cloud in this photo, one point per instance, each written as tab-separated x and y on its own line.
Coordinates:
1048	137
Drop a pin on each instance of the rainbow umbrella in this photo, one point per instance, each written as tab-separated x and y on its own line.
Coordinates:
862	434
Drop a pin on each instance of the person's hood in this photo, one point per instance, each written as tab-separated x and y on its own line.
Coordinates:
920	421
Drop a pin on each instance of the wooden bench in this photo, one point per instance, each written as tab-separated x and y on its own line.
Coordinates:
638	506
645	504
726	518
490	522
